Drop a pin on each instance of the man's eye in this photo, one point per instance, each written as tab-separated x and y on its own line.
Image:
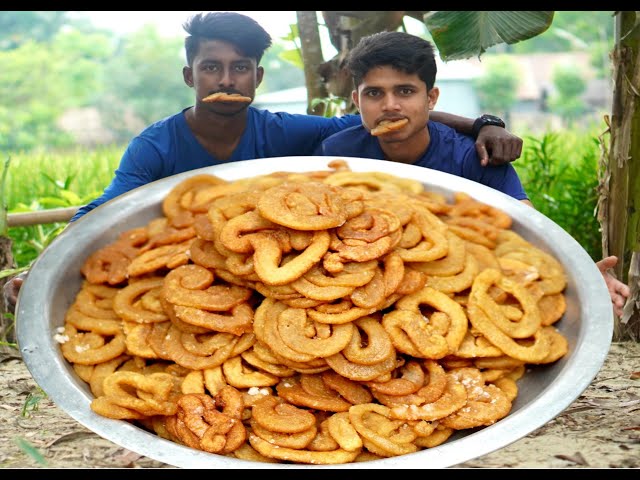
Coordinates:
211	68
372	93
241	68
406	91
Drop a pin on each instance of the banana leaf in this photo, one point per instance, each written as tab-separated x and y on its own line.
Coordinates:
460	35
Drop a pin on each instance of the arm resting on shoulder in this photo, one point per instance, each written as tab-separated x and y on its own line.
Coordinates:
495	145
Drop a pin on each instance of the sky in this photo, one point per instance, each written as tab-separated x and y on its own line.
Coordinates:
169	23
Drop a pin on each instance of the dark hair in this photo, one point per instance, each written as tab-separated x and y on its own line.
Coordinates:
402	51
240	30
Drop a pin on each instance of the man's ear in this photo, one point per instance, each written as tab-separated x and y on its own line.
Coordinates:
259	76
355	99
433	95
187	75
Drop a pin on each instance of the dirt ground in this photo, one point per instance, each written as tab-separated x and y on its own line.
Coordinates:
600	430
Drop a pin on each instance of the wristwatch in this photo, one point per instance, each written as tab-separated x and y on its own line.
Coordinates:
483	121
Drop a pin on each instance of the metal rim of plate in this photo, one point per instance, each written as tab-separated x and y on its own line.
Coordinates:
544	392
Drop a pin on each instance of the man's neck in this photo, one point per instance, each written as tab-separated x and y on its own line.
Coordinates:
218	134
409	150
221	128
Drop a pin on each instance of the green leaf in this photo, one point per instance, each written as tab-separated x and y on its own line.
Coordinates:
292	56
30	450
71	197
9	272
54	202
459	35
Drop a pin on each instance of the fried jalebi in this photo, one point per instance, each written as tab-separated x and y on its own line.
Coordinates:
318	317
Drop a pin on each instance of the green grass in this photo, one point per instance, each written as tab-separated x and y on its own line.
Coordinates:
36	176
44	180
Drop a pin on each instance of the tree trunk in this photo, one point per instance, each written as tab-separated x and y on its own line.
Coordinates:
312	58
7	325
619	203
329	78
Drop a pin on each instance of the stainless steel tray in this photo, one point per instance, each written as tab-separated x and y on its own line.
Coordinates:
544	392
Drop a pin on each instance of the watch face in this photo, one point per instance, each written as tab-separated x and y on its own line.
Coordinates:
492	120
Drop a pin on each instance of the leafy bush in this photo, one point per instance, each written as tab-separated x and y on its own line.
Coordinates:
560	174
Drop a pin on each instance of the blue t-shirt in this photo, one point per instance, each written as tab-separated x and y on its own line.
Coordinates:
448	151
169	147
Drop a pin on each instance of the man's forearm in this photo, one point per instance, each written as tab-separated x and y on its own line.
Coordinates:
462	125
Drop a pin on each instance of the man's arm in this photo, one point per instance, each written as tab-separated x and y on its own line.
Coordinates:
495	145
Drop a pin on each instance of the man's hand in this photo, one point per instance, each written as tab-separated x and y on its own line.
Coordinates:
11	289
495	146
618	290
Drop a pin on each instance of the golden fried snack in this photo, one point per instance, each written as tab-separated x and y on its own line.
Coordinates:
451	264
316	317
441	336
452	399
165	256
486	403
267	258
434	382
387	126
109	264
378	182
307	206
516	326
90	348
118	388
211	425
534	352
129	306
301	456
183	201
226	97
304	335
277	416
380	433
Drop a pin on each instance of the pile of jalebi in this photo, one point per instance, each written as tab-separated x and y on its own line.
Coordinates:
323	317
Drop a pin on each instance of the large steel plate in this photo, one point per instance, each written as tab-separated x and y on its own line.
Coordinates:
544	392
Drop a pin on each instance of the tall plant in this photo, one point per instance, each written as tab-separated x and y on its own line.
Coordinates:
619	203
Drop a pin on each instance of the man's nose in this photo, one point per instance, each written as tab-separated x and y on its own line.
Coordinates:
390	102
226	78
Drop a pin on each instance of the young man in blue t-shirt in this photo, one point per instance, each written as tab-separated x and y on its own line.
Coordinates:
394	77
223	53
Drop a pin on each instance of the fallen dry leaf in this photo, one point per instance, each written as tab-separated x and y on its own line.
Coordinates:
127	458
576	458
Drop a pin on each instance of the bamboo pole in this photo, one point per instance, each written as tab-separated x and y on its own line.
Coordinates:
41	217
